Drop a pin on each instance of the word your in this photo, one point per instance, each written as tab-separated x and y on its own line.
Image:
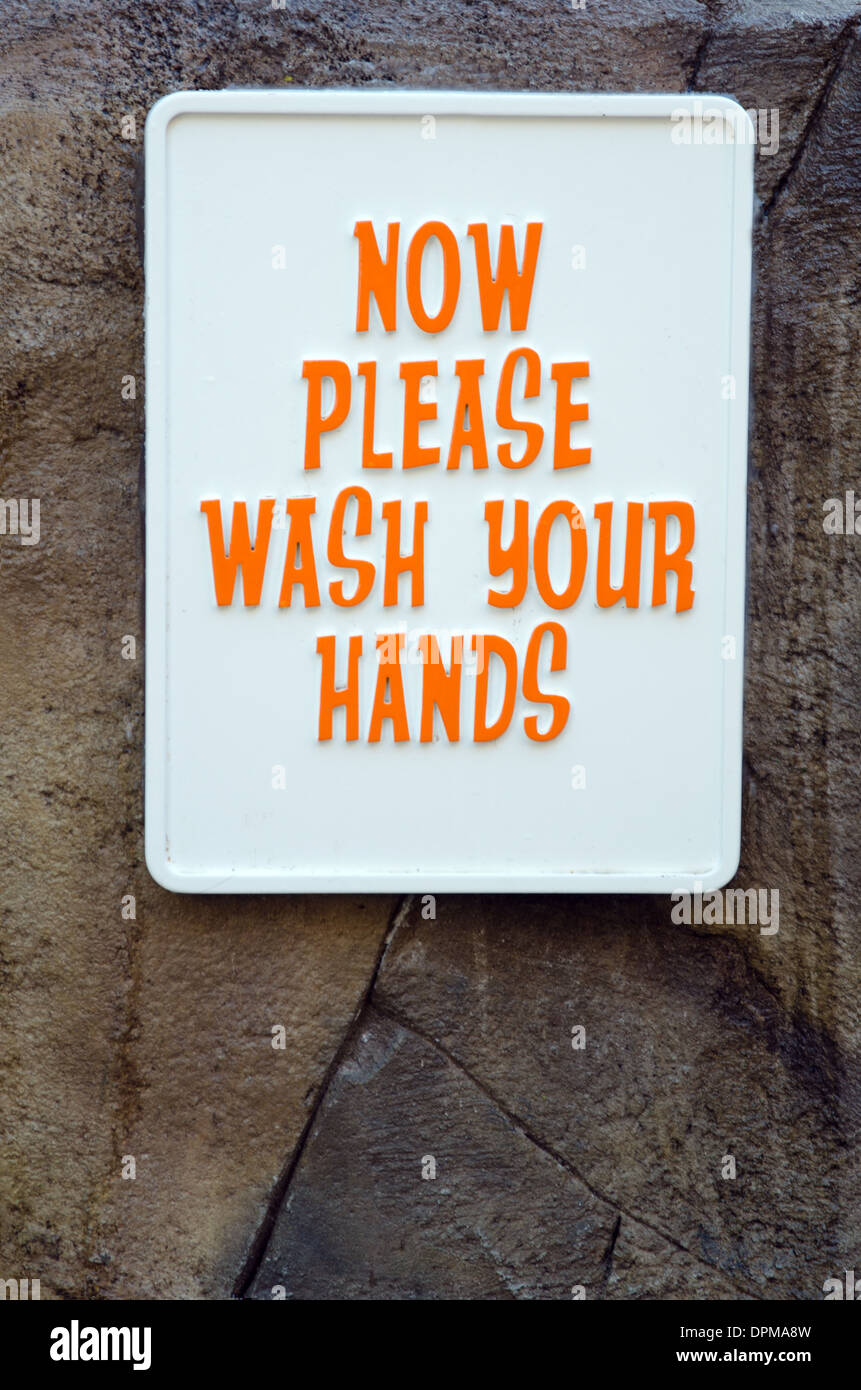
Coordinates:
20	517
713	909
840	522
78	1343
716	126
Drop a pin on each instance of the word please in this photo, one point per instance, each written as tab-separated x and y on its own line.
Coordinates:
467	426
527	553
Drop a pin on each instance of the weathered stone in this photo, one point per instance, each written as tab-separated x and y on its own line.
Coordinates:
416	1184
499	1218
689	1059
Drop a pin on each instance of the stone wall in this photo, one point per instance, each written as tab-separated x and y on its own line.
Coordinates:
409	1038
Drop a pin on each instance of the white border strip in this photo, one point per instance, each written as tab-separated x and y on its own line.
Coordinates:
384	102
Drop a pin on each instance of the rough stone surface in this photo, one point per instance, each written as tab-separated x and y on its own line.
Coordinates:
364	1221
151	1037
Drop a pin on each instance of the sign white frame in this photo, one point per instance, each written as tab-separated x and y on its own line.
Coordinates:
231	878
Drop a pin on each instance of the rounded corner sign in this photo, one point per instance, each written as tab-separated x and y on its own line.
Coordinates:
446	470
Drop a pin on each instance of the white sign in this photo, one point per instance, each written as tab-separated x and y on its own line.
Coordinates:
446	463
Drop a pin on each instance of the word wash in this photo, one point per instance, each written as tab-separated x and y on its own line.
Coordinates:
518	532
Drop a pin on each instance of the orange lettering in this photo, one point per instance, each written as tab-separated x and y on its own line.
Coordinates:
377	277
371	459
441	688
606	594
515	557
330	697
518	283
676	559
389	676
415	411
504	418
468	428
252	559
564	374
489	645
316	424
396	563
577	528
450	276
365	571
558	703
299	542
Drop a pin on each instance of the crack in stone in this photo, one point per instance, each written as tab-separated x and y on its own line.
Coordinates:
699	56
843	44
521	1127
607	1257
277	1197
709	33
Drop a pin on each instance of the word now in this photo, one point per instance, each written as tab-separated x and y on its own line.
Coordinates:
378	275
